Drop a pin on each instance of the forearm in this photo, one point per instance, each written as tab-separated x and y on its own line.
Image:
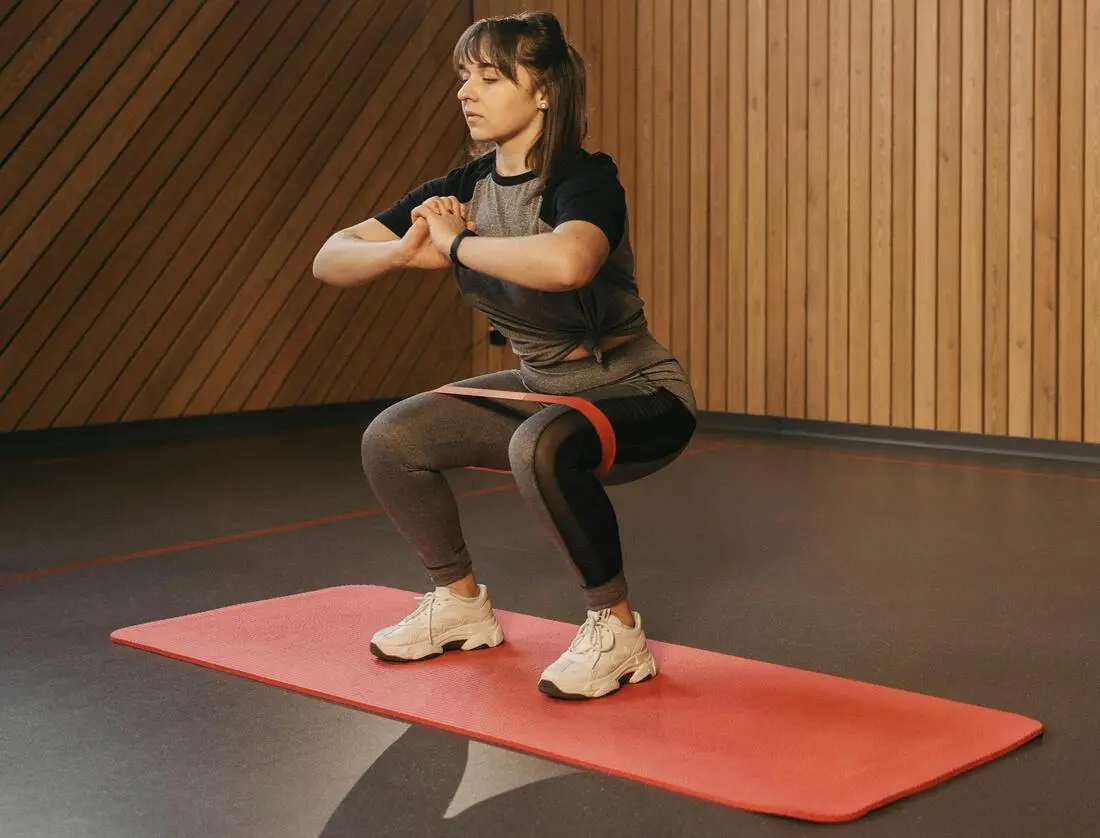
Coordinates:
543	262
345	260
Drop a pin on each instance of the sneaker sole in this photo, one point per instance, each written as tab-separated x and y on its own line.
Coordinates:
480	642
645	670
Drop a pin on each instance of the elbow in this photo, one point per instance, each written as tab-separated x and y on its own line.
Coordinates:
574	274
323	267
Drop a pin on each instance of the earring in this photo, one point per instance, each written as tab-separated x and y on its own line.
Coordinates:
543	106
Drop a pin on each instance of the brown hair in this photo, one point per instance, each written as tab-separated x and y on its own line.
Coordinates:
535	40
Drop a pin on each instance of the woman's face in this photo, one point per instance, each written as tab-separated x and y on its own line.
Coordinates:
497	110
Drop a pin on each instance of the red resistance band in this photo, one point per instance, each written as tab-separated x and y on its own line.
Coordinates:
592	413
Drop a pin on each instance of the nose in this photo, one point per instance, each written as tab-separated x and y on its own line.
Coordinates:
465	92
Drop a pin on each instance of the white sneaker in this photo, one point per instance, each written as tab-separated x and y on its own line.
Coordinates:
443	622
603	657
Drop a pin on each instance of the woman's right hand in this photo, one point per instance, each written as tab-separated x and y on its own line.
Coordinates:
416	245
417	250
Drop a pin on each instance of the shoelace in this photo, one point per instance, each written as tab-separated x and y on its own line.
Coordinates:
594	633
426	601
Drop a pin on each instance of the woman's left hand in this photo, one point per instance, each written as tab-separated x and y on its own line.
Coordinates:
445	221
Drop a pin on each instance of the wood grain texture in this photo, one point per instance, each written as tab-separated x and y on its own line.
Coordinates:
168	172
869	211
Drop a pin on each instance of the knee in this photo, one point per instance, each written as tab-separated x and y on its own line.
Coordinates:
390	439
541	449
530	455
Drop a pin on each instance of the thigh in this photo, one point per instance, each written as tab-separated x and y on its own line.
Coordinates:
441	431
652	427
650	422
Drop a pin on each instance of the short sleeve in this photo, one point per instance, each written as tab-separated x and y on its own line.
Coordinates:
457	182
595	195
397	217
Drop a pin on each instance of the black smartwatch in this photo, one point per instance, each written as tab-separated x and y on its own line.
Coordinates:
454	245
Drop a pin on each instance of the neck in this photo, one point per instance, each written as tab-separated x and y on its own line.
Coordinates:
512	153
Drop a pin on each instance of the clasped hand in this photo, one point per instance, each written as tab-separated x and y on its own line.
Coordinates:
435	223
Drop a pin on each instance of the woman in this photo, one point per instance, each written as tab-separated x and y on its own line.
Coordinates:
536	232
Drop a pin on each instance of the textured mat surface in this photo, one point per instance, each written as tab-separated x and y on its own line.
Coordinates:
738	732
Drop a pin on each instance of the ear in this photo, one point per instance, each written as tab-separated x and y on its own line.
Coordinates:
542	101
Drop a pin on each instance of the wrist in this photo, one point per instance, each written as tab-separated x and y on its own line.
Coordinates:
456	242
399	257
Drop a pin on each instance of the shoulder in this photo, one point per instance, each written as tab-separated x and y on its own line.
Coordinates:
586	187
584	168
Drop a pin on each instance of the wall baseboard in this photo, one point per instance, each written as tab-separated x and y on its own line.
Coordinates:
55	442
932	440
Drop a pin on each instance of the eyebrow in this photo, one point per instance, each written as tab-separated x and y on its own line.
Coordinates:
481	64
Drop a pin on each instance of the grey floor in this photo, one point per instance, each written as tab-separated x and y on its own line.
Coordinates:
967	577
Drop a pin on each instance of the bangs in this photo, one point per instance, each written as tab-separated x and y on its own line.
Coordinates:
493	42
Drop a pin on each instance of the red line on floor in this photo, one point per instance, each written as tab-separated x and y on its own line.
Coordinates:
243	536
223	539
503	487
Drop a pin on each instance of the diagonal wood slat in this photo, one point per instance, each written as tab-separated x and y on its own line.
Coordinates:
112	207
168	173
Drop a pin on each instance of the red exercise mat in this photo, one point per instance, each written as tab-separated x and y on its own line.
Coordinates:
738	732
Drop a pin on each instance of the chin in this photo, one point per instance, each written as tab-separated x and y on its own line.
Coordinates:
480	135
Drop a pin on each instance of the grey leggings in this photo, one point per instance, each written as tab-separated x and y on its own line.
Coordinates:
550	450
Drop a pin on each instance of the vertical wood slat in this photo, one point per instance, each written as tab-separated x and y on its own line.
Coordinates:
926	117
998	104
774	208
662	167
949	216
1045	357
903	208
859	223
817	210
972	210
756	209
1071	220
838	143
796	209
738	251
696	295
1091	302
719	277
1021	267
881	301
678	280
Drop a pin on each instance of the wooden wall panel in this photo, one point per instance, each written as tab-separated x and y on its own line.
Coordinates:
868	211
168	170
